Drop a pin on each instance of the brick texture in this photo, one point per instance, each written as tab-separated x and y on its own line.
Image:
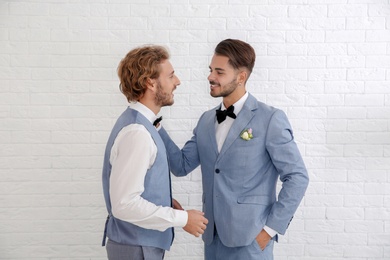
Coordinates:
326	63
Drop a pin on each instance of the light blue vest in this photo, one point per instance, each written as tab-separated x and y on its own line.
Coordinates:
157	189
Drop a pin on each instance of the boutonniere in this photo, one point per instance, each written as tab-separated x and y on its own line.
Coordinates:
246	134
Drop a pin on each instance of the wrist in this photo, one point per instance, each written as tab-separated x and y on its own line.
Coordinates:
269	231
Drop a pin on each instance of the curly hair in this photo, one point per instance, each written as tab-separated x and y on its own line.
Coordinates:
140	65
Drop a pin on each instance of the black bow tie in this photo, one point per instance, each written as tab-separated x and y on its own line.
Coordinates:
221	115
157	121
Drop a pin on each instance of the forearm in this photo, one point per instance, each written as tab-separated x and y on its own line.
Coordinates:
145	214
293	189
181	161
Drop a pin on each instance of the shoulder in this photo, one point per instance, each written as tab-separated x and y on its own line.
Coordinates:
135	132
265	110
267	114
134	128
253	104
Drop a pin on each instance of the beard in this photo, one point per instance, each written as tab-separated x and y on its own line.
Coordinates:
225	90
163	98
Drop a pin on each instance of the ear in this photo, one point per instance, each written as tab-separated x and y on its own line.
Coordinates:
242	77
151	84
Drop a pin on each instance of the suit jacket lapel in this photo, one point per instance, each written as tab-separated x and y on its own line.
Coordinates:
246	114
211	130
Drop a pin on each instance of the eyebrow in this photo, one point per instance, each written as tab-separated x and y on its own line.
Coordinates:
217	69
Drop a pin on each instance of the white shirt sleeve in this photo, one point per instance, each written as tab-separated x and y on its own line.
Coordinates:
132	154
270	231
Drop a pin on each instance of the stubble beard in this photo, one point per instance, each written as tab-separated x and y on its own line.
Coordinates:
227	89
162	98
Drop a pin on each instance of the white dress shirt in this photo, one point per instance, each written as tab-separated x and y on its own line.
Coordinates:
132	154
221	131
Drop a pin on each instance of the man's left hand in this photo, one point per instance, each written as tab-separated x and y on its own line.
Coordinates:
262	239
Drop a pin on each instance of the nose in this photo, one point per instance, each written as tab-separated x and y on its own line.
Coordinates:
177	81
210	77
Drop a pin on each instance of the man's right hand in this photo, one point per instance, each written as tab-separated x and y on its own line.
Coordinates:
196	223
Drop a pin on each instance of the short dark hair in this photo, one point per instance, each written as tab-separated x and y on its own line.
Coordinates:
240	54
139	65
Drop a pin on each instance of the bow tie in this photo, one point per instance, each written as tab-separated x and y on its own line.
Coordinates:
221	115
157	121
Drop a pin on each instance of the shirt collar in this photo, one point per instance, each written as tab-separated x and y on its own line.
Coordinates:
144	110
238	105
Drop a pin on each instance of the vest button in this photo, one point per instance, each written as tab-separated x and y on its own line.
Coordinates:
216	170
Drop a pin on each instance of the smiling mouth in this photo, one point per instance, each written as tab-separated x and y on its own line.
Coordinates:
213	85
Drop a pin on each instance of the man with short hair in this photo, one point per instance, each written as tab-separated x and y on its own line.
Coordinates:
243	146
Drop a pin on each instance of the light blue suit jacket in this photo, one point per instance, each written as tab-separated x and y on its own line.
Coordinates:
239	183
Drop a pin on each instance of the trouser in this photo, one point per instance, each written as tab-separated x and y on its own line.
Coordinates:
116	251
218	251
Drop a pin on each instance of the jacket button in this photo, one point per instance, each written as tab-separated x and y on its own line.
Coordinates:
216	170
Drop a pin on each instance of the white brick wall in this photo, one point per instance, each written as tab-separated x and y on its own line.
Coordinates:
325	62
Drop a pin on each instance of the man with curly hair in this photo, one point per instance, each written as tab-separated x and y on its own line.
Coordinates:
136	177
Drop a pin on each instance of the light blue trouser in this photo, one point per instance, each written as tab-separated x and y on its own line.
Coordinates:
218	251
116	251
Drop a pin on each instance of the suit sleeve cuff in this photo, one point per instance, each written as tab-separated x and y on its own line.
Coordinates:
270	231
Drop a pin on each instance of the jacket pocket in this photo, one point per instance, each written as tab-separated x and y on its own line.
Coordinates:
260	200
